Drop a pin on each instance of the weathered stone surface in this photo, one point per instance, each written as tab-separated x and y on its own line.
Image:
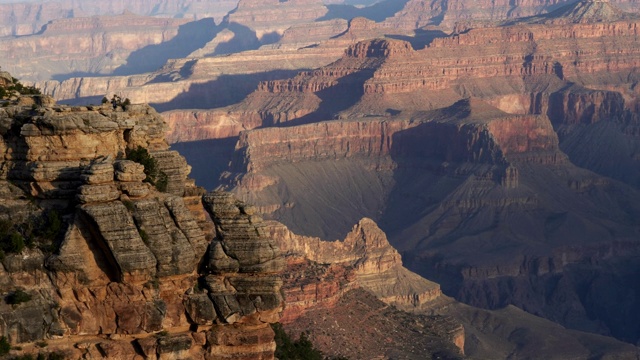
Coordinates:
129	171
242	235
172	164
175	344
200	309
219	261
171	248
116	228
97	193
135	190
99	172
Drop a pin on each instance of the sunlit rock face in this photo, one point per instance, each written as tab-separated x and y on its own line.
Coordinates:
133	270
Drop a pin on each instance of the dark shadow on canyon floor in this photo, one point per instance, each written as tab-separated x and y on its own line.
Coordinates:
208	158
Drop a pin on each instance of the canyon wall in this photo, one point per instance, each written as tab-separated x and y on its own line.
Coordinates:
446	13
99	45
27	18
466	168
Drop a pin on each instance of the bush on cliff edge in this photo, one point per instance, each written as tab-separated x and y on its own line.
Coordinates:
155	176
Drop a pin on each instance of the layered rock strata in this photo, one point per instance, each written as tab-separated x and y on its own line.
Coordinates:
26	18
446	13
99	45
363	259
134	272
481	175
267	17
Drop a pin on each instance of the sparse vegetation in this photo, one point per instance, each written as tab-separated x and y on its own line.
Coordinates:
143	235
39	231
42	344
16	86
19	296
153	283
5	347
301	349
154	175
40	356
129	205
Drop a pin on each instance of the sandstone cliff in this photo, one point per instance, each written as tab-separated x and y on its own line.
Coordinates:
131	271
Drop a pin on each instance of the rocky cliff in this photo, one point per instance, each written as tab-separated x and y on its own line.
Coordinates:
365	258
113	267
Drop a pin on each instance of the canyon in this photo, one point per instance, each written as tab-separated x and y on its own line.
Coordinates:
495	144
478	155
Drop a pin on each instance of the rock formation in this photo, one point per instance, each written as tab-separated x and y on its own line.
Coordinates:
364	259
131	271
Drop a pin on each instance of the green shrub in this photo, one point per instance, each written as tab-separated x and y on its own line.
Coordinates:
5	347
5	228
162	182
104	100
16	243
27	357
52	225
129	205
301	349
55	356
42	344
154	175
143	235
18	297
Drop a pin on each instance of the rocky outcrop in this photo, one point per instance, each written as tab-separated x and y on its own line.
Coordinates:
131	271
321	272
322	276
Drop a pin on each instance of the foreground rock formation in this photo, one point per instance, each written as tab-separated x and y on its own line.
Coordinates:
131	272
